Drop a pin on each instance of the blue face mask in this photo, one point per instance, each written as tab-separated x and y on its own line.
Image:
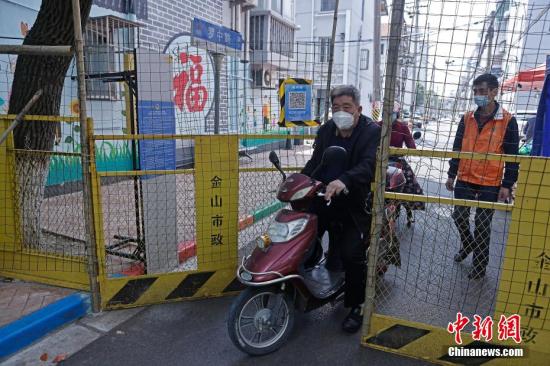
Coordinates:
481	100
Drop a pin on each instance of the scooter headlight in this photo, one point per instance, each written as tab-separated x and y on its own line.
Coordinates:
280	232
263	242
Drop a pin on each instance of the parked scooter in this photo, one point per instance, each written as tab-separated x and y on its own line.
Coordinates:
287	271
390	253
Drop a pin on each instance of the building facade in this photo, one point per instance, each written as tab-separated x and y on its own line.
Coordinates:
353	50
536	49
114	30
273	54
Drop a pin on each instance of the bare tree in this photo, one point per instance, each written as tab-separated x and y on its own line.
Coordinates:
53	26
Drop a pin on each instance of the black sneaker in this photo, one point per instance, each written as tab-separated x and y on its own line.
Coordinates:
410	218
476	274
353	322
460	256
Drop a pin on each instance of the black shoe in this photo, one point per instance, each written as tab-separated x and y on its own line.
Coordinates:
410	218
353	322
460	256
476	274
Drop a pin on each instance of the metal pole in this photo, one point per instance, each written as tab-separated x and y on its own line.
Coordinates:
86	149
36	50
331	58
20	116
415	40
376	51
490	33
218	60
382	163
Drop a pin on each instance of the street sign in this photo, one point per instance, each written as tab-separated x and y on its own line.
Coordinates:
216	38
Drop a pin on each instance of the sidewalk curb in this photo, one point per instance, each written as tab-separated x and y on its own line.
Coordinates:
22	332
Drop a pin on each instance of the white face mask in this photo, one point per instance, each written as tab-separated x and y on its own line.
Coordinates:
343	120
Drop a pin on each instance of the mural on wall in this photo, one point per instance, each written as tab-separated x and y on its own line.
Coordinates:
192	83
110	155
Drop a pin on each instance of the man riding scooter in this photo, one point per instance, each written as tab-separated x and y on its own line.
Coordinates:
348	213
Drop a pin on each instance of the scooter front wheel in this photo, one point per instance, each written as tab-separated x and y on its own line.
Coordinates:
260	320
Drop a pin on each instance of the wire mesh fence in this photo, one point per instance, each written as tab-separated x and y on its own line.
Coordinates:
455	258
40	216
167	207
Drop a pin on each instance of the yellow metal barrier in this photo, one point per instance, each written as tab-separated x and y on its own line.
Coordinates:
16	260
524	279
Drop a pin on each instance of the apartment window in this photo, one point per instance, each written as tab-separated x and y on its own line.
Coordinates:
328	5
324	50
382	49
137	7
365	56
288	9
108	39
276	6
282	38
284	8
257	32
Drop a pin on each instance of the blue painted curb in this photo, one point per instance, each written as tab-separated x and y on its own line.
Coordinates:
22	332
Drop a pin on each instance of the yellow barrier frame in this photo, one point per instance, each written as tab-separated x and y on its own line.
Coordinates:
15	260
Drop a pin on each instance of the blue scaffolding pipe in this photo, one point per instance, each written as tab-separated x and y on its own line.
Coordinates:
541	136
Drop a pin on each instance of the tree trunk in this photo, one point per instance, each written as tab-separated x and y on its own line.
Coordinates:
53	26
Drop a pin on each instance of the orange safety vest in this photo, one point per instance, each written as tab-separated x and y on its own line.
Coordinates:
266	110
489	140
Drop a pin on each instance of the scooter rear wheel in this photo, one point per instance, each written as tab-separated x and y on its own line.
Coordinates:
260	320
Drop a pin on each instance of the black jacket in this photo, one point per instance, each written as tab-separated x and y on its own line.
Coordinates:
361	159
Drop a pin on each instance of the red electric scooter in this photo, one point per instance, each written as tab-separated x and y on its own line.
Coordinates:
287	270
389	252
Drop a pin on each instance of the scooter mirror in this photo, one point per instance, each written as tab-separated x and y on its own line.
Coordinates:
274	159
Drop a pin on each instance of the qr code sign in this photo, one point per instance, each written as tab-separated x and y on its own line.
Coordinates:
297	100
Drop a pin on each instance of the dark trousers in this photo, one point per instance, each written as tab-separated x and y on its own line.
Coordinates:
349	234
479	241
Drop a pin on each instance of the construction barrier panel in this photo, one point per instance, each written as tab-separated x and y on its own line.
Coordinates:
425	298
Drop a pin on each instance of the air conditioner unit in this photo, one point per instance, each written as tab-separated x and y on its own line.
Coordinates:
263	78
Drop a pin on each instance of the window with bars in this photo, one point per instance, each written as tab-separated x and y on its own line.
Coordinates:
328	5
365	58
324	49
257	32
282	38
107	40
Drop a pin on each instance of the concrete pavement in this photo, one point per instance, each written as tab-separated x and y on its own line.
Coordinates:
70	339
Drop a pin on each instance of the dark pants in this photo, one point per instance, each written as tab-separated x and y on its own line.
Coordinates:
349	234
479	242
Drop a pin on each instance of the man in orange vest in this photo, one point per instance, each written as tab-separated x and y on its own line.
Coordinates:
266	112
490	129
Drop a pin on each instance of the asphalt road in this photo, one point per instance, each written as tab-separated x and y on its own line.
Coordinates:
195	333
